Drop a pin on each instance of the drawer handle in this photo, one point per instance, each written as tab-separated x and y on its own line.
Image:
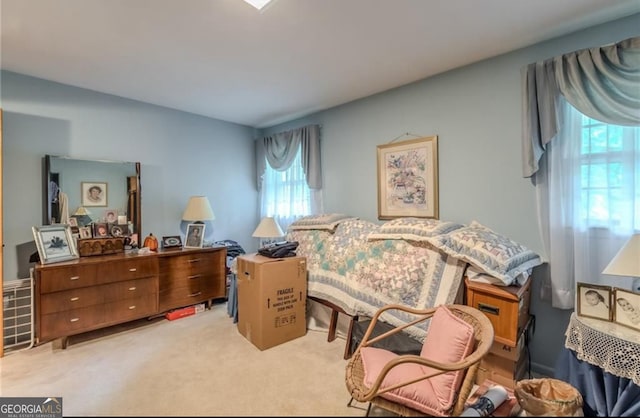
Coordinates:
194	260
195	276
195	294
132	307
74	277
494	310
132	288
74	319
73	299
133	269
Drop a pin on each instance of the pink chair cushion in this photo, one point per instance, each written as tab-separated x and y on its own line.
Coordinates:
449	339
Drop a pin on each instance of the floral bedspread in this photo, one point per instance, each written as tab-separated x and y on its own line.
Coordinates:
361	276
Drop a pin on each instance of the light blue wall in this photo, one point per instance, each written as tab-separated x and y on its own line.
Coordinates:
181	154
475	111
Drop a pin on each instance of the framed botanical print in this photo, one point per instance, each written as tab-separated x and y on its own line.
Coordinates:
594	301
408	179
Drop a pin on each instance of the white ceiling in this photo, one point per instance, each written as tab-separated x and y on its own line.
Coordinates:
226	60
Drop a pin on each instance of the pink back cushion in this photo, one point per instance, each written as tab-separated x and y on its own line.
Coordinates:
449	339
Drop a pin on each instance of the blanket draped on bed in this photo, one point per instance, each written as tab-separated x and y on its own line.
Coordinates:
361	275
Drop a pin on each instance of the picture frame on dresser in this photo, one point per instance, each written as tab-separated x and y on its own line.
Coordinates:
626	308
54	243
408	178
594	301
100	230
195	236
172	241
85	232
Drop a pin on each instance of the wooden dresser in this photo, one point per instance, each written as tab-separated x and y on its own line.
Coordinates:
94	292
189	277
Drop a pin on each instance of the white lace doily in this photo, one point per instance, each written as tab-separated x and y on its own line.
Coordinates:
612	347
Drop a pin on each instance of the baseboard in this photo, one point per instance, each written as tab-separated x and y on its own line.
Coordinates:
542	370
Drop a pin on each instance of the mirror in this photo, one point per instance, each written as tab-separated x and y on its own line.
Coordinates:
99	189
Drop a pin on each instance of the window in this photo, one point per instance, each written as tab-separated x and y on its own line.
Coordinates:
286	195
609	174
589	200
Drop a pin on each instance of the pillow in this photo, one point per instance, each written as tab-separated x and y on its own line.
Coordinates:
327	221
490	252
449	339
415	229
476	275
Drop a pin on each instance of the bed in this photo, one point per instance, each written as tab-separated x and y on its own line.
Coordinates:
356	266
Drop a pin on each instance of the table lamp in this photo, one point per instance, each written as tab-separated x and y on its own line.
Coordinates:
627	262
267	228
82	215
198	210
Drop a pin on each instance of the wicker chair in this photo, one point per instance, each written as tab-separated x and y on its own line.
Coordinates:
355	373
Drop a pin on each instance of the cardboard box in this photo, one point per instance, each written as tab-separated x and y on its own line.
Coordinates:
272	294
501	370
506	351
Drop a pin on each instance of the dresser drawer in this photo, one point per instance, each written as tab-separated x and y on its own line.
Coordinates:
130	289
69	277
507	307
188	292
71	299
127	269
71	322
128	309
184	268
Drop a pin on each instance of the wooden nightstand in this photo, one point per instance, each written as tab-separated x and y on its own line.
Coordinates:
507	307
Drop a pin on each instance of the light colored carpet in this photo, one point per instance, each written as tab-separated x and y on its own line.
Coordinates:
195	366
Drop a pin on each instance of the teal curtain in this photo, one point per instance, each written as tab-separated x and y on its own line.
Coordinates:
602	83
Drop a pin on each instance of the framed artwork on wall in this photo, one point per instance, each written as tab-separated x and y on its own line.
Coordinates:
93	193
54	243
626	308
408	179
594	301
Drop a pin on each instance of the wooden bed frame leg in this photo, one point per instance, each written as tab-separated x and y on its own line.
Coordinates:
333	324
347	345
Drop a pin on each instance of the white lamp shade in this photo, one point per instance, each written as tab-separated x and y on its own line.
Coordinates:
268	228
198	209
627	261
